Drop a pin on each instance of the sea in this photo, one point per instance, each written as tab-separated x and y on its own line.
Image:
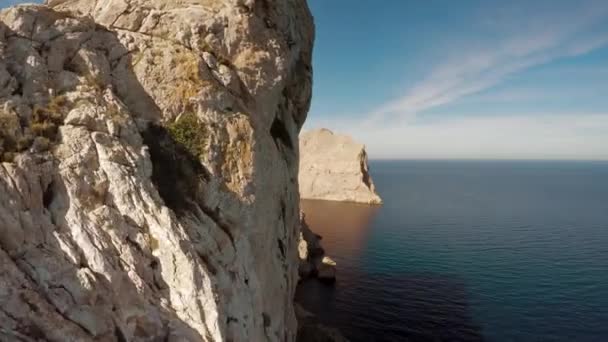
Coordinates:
468	251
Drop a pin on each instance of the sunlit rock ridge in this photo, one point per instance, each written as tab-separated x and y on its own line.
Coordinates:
148	169
334	167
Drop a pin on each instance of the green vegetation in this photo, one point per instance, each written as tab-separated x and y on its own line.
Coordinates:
42	129
177	172
190	133
8	141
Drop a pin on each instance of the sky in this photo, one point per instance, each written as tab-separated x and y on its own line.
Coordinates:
7	3
464	79
473	79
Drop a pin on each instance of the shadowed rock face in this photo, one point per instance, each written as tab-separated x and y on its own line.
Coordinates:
334	167
94	245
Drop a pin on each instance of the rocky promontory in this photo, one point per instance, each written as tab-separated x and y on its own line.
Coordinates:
313	261
148	169
334	167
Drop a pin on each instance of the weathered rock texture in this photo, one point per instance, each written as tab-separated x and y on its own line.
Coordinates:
334	167
148	175
313	261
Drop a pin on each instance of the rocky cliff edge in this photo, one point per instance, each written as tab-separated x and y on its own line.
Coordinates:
334	167
148	169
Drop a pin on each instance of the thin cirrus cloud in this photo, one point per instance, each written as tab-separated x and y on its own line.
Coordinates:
545	35
522	36
573	135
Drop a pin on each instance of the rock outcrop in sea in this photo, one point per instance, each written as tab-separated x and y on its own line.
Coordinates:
148	169
334	167
313	261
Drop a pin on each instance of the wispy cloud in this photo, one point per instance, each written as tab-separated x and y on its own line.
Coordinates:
514	38
573	135
522	40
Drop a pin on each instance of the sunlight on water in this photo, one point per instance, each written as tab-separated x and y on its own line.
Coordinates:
497	251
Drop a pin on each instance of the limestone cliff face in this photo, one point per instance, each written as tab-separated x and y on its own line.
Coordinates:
334	167
148	169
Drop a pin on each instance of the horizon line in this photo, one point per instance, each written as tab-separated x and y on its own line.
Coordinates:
493	159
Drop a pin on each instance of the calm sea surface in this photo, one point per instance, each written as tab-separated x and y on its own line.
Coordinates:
469	251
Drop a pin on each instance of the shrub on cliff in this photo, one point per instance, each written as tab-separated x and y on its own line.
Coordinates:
190	133
176	170
43	128
8	139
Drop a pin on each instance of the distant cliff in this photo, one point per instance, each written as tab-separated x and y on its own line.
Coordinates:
148	169
334	167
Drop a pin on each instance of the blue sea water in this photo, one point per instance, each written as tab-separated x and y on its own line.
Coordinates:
469	251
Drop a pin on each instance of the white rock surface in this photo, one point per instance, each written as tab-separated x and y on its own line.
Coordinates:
309	249
334	167
109	230
313	261
326	269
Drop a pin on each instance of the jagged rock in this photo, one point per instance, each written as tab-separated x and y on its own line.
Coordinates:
326	269
313	261
310	243
334	167
148	169
309	249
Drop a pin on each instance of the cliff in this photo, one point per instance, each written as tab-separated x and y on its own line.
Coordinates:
313	261
334	167
148	169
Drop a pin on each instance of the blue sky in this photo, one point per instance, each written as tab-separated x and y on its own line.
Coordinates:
463	79
6	3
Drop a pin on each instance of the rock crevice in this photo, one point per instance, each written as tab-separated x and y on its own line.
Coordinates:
111	229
